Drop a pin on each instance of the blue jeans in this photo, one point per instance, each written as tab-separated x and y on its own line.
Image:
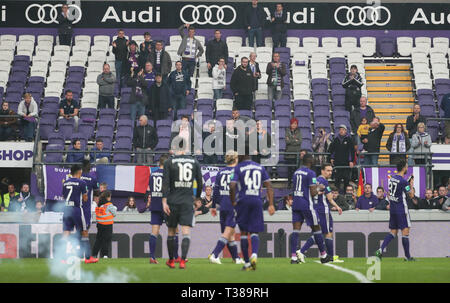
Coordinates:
180	103
218	93
371	159
28	130
137	108
188	66
105	101
118	65
5	133
410	157
259	37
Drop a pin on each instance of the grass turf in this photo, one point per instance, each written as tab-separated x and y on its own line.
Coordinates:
393	270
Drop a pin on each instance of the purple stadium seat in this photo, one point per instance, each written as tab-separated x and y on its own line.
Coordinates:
442	86
55	138
87	129
306	133
53	157
319	84
321	111
36	79
223	114
88	113
386	46
66	127
428	111
323	122
122	158
107	112
433	130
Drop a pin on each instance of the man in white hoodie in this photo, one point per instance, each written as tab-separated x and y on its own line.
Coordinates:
28	109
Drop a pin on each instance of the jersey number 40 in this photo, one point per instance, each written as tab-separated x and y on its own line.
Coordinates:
253	182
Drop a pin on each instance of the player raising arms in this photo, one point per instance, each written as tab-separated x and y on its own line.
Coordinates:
180	171
155	204
221	196
305	189
398	210
325	219
249	177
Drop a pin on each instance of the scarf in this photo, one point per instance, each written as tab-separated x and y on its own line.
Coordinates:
276	81
400	140
133	60
23	199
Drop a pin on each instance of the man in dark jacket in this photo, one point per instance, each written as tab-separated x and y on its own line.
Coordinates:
216	49
275	71
65	29
145	139
180	86
7	125
254	23
373	141
160	100
352	84
137	84
147	46
358	113
413	120
342	152
242	84
24	202
429	202
120	51
383	203
279	28
161	60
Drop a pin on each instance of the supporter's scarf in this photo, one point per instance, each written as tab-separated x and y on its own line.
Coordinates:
400	139
23	199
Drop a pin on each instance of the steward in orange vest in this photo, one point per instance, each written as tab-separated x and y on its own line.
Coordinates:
105	213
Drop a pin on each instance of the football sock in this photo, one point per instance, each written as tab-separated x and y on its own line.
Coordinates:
185	246
171	246
307	245
318	237
219	247
244	248
175	252
152	245
329	246
386	241
232	247
86	247
255	243
405	242
294	241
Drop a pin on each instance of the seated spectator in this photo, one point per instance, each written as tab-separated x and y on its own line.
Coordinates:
344	202
24	202
7	125
293	137
279	20
146	47
98	153
207	199
254	20
106	81
161	60
275	70
320	144
242	84
160	102
216	49
138	100
352	84
442	191
363	131
285	204
373	141
7	197
360	112
179	83
254	67
145	139
190	49
76	155
383	203
398	142
236	116
368	200
219	79
445	106
429	202
130	207
209	149
446	205
435	193
28	109
133	62
263	143
69	108
421	143
199	208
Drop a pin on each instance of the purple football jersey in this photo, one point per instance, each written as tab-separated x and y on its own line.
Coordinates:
249	177
302	180
322	202
155	184
73	191
398	188
221	193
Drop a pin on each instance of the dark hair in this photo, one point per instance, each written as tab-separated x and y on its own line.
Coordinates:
178	61
74	141
120	30
96	193
400	165
5	102
99	140
147	34
128	201
235	109
158	75
308	159
353	66
184	116
217	30
68	91
324	165
159	41
368	184
74	169
243	58
380	187
104	197
86	166
334	188
163	159
191	28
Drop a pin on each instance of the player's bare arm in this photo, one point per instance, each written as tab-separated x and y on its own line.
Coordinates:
271	208
333	203
233	193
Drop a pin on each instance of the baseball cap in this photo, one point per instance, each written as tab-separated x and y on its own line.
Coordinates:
343	126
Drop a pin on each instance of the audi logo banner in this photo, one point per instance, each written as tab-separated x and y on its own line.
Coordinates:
224	15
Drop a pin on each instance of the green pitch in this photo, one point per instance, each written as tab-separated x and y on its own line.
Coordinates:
393	270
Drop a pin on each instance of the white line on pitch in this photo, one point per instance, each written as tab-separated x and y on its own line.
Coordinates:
359	276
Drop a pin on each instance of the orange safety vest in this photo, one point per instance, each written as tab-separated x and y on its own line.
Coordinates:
103	217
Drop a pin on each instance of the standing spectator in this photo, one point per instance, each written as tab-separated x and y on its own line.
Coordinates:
69	108
321	144
190	49
149	77
120	51
7	125
352	84
279	20
161	60
442	196
185	133
216	49
398	142
429	202
105	83
219	79
145	139
242	84
180	86
231	136
363	111
367	200
383	203
160	102
65	29
254	23
342	152
133	63
254	67
421	143
105	213
98	153
75	155
413	121
350	196
130	207
28	110
340	200
293	137
210	156
137	84
24	201
263	143
146	47
7	197
445	106
373	141
275	71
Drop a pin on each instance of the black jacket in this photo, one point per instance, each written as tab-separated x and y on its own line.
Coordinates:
145	137
138	87
279	24
165	61
281	70
15	205
261	16
242	81
355	117
433	203
160	98
216	50
65	25
374	139
342	150
411	126
352	86
121	49
255	79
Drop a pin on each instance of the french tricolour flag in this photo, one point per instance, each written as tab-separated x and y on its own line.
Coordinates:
124	178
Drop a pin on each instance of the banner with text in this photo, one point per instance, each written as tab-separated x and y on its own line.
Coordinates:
16	154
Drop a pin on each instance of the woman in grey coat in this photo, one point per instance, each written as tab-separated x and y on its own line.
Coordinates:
421	143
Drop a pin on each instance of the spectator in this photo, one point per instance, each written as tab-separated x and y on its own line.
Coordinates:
7	197
207	199
133	63
7	125
342	154
445	106
69	108
105	83
374	137
360	112
275	71
340	200
446	205
149	77
199	208
279	20
442	196
254	67
231	136
65	29
429	202
103	187
421	143
352	84
160	102
293	137
120	51
242	84
180	86
236	116
413	121
216	49
398	142
210	156
350	196
190	49
76	155
98	153
161	60
435	193
137	84
24	201
28	110
383	203
130	207
321	144
414	202
145	139
263	143
146	47
219	73
183	133
254	23
363	131
368	200
285	203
